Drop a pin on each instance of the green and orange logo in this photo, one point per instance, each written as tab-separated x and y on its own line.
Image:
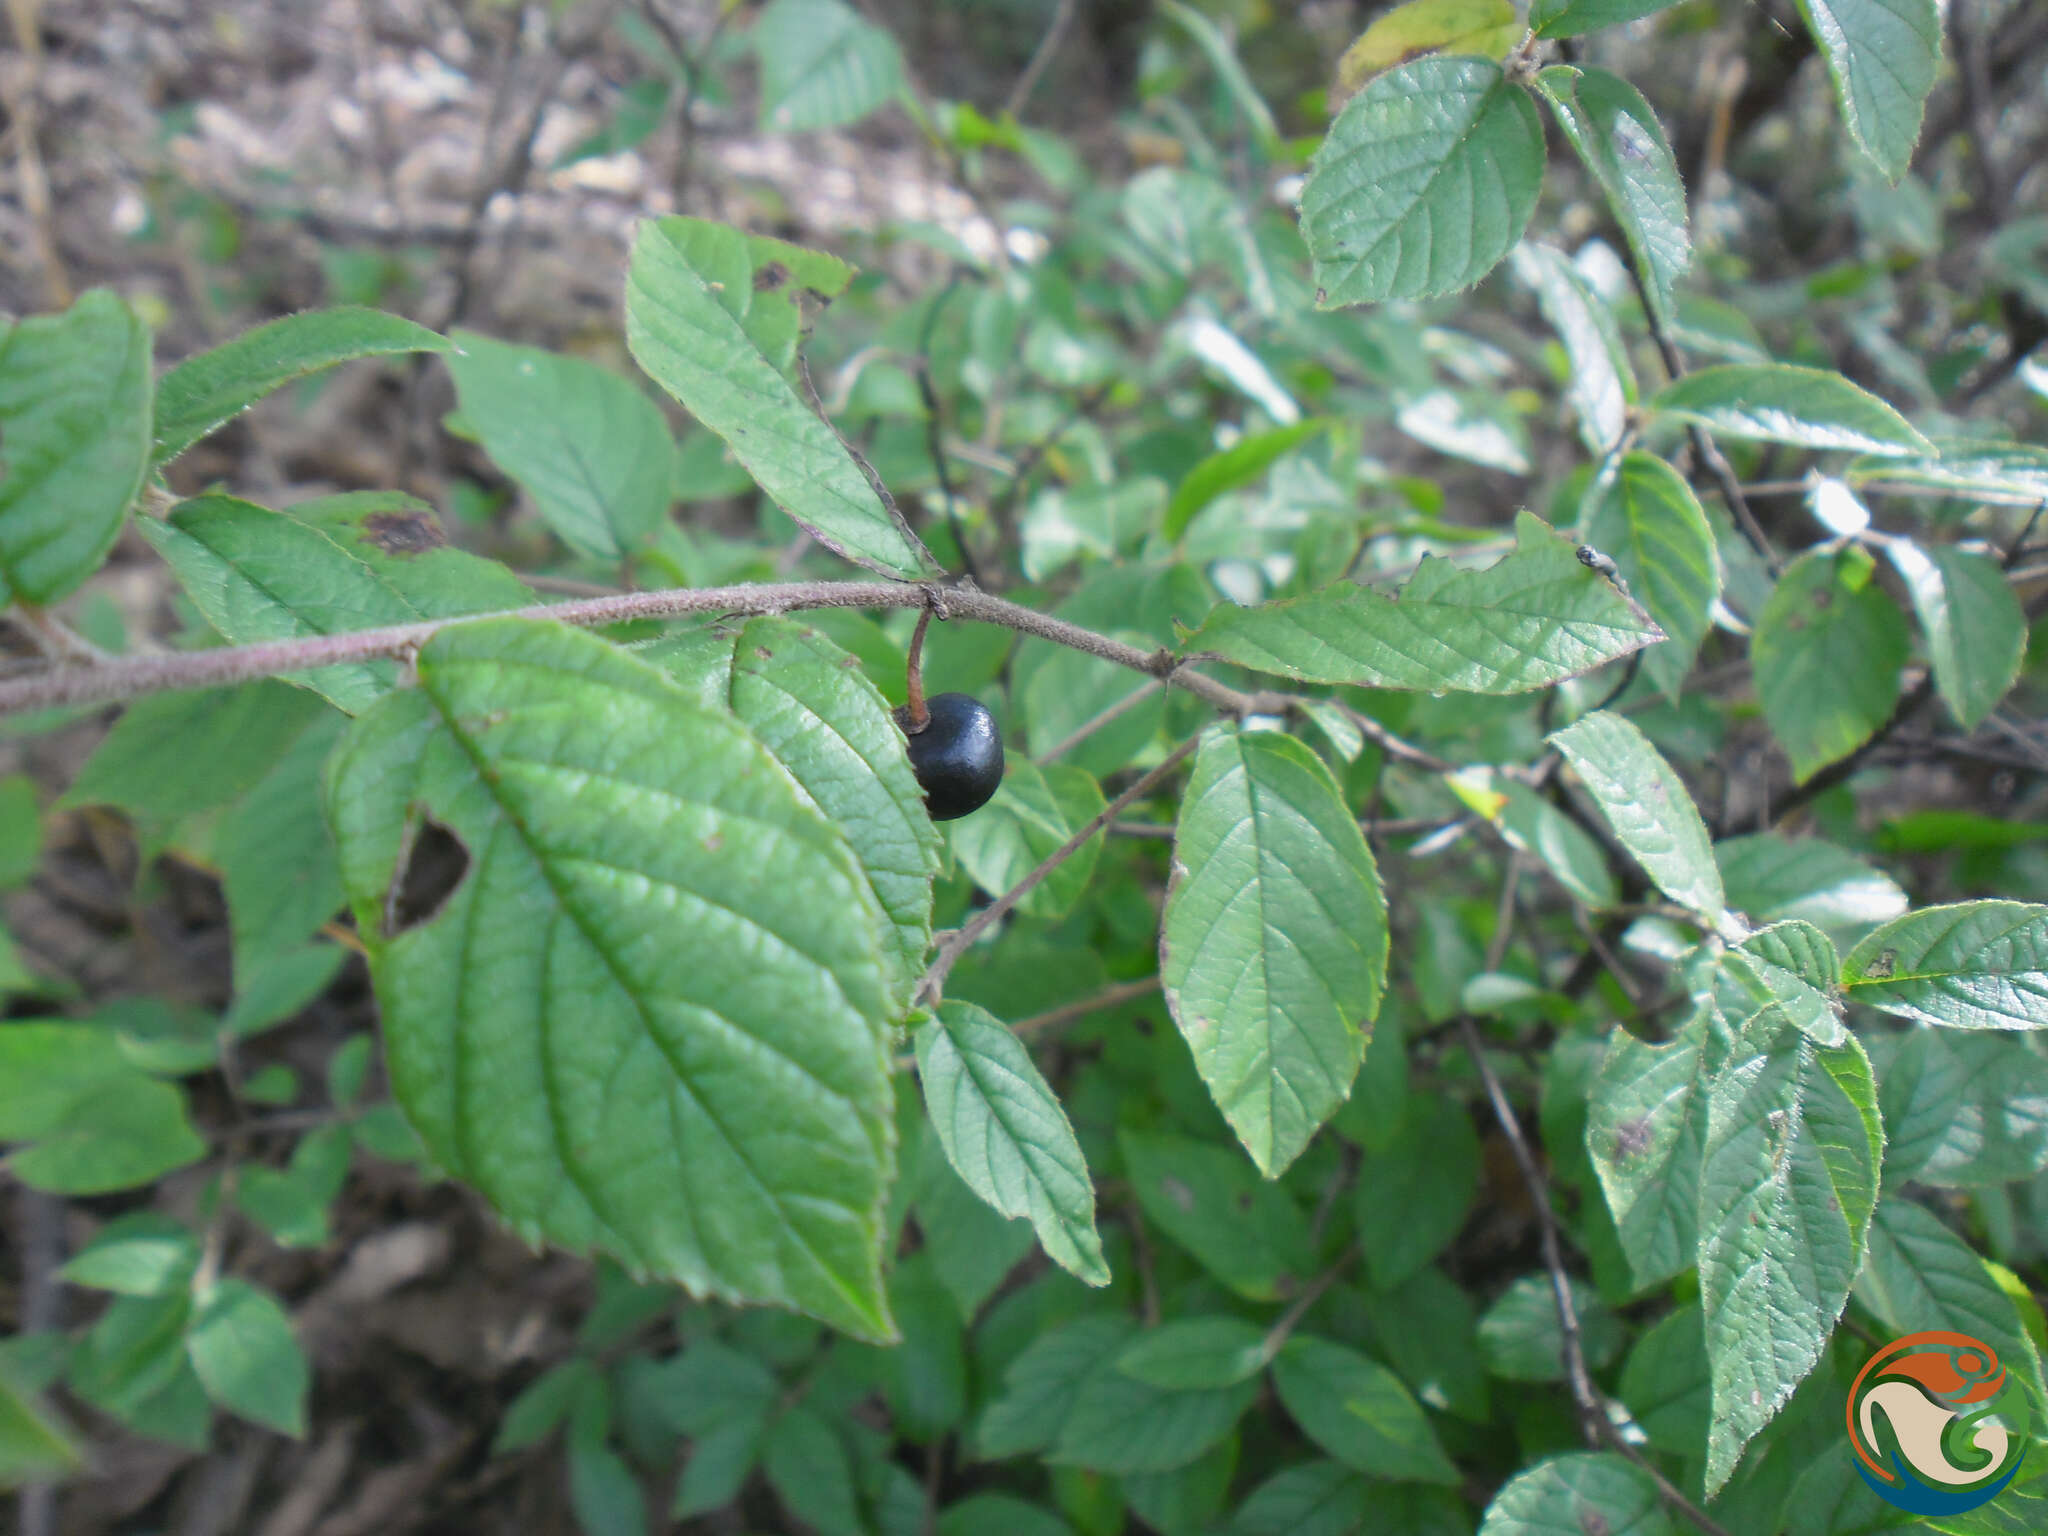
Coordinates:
1937	1425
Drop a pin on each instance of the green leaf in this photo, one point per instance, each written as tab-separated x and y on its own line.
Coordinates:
142	1254
1522	1341
1532	619
210	389
1770	878
242	1346
590	447
764	283
998	1514
1645	1130
807	1465
1233	468
1194	1353
972	1246
1034	812
1005	1134
92	1123
1920	1275
1788	1181
1123	1426
1619	139
1974	965
1666	1385
74	430
1313	1498
1415	1192
1778	403
1575	1494
1976	631
21	830
1042	1384
291	1203
603	1492
1246	1232
276	856
1573	856
1647	805
1273	948
651	935
34	1445
544	1403
1827	653
811	705
1425	182
1882	55
1600	384
1646	517
822	65
1574	18
690	344
1358	1411
1961	1109
1427	26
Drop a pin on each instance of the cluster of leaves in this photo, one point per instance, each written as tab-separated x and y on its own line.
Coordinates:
649	898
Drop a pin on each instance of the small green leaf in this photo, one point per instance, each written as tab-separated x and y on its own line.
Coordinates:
1827	654
1645	1129
1770	878
1788	1182
1358	1411
688	341
1974	965
1778	403
1273	949
1232	468
1532	619
998	1514
1522	1340
34	1445
1193	1353
291	1203
1425	182
1666	1385
1005	1134
768	285
1573	18
1976	631
822	65
74	433
276	857
1427	26
681	939
21	830
242	1346
1882	55
1042	1384
535	1412
1600	384
142	1254
1646	517
1415	1192
1647	805
1621	142
1034	813
1311	1498
1124	1426
603	1492
1246	1232
591	448
91	1122
1574	1494
208	390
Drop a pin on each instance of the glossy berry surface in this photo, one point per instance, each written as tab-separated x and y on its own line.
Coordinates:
957	757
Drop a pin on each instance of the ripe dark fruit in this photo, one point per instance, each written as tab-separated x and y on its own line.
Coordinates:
957	757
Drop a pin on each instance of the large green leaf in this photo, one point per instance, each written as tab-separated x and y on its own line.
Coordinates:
1648	519
1882	55
1645	1128
1778	403
1599	383
1621	142
1647	805
1976	631
592	450
1425	182
1920	1275
691	345
817	712
1788	1182
1273	949
1827	654
346	563
1532	619
822	65
1006	1135
207	390
1577	1494
650	1015
1974	965
1358	1411
74	441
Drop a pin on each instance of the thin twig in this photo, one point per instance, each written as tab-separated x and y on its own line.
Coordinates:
1114	996
1284	1326
935	426
868	472
1041	56
1089	727
932	984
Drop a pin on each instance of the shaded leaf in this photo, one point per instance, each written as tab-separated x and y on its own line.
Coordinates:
1976	631
1248	1233
1646	517
1600	383
1827	654
1577	1494
1358	1411
1770	877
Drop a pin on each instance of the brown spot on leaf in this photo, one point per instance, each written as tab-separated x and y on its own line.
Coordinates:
429	872
764	653
1631	1137
1886	963
403	533
1593	1523
1823	597
770	277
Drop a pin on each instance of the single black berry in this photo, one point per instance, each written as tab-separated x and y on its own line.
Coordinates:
957	756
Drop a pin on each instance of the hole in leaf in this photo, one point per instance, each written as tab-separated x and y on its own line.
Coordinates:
433	867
